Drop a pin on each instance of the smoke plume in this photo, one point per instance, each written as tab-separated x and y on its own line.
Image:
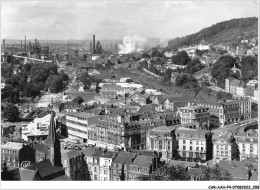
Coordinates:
131	44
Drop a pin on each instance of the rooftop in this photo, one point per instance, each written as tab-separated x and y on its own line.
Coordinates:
122	157
12	145
68	154
143	161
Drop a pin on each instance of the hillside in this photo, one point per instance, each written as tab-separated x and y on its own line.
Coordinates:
227	32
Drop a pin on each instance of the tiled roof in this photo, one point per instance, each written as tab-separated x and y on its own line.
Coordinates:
88	151
143	161
13	145
108	154
98	153
122	157
68	154
22	174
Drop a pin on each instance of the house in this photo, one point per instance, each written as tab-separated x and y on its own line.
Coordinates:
96	165
45	171
69	107
105	165
140	97
17	155
247	142
160	139
195	113
119	170
191	142
72	161
174	103
88	153
224	148
142	165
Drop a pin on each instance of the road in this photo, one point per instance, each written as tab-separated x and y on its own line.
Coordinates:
233	127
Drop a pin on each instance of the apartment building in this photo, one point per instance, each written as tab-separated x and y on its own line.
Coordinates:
105	165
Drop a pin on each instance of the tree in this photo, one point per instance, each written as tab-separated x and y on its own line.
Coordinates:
166	173
216	174
11	113
54	83
86	79
249	68
181	58
98	49
193	66
223	96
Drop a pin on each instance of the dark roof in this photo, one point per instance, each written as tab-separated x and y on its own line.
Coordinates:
143	152
88	151
122	157
98	153
45	168
22	174
43	114
40	147
143	161
108	154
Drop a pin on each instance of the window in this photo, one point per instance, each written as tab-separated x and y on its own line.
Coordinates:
226	153
217	146
125	167
191	154
139	169
95	169
106	163
184	147
169	145
243	145
3	151
190	147
184	154
160	144
197	148
3	157
226	147
14	152
95	177
13	159
9	151
8	158
201	148
152	144
105	172
114	172
119	173
65	162
251	145
222	153
184	141
197	142
95	161
217	153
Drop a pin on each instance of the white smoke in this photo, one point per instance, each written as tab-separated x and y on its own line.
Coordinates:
131	44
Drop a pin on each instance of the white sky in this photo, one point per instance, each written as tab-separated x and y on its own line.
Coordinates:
113	19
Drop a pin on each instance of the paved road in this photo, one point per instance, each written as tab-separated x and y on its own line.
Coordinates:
233	127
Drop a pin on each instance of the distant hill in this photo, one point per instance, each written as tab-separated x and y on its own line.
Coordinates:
227	32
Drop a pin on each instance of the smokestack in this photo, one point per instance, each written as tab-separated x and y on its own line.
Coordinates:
94	44
25	43
35	41
90	47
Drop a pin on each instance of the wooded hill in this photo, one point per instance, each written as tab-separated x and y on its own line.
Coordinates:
227	32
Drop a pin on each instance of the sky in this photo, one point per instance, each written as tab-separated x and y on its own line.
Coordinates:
114	19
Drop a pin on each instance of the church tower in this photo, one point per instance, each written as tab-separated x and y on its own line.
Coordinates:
53	143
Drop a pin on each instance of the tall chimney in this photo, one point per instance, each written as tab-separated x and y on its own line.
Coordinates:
25	43
94	44
35	41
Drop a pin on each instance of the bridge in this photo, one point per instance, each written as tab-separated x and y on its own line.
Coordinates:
33	59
